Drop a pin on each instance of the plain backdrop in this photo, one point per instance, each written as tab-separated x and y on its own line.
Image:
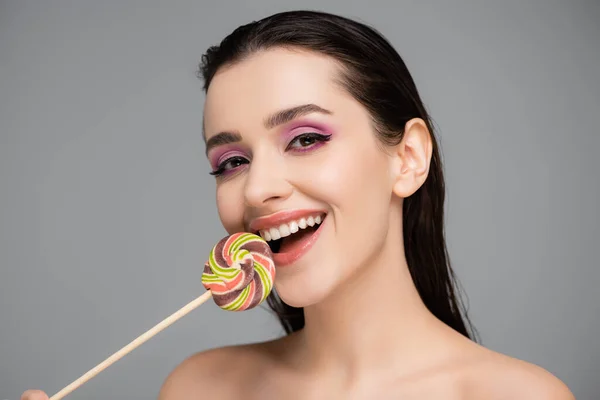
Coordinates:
107	211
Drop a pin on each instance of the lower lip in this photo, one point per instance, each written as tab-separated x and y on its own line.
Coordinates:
284	259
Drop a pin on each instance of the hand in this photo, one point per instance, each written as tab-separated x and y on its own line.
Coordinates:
34	395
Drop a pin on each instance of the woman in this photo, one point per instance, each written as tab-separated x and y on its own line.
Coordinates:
319	141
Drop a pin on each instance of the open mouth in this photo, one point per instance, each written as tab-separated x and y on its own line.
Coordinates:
289	236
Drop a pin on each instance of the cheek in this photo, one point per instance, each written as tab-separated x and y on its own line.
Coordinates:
349	176
357	183
231	208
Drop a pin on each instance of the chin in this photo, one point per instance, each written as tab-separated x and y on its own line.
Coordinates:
307	287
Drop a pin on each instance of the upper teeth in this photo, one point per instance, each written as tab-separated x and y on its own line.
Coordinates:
287	229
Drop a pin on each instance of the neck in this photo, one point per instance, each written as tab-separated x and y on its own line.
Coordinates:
377	320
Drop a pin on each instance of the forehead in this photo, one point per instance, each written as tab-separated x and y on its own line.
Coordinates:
243	94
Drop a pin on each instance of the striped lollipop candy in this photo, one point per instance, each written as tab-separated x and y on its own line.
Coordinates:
239	272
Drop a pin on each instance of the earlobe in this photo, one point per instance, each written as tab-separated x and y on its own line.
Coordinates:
412	158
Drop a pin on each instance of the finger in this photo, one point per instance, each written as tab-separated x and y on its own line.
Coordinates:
34	395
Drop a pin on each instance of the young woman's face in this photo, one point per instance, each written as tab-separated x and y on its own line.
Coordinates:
291	148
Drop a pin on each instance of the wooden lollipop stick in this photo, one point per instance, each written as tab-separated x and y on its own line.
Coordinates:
131	346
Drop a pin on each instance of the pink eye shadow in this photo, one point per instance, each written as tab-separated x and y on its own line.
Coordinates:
305	126
220	155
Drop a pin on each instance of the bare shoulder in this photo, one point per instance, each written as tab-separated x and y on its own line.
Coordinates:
216	374
497	376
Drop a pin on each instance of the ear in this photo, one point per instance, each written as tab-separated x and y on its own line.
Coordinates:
412	158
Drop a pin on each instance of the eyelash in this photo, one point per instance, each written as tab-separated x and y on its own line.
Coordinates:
317	137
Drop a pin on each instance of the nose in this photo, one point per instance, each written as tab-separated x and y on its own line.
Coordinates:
266	182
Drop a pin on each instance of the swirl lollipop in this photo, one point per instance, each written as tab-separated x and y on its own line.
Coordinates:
239	272
238	276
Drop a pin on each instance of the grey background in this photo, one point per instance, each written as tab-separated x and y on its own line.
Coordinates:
107	211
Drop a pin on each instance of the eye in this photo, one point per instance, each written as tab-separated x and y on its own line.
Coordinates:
229	165
307	140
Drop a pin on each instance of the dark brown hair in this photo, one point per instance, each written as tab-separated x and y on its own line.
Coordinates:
376	76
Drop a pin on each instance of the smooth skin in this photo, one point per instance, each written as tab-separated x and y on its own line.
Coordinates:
368	335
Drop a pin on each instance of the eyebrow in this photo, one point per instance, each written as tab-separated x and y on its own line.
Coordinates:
278	118
289	114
